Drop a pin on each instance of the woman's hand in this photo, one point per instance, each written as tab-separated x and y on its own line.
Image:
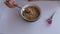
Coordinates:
10	3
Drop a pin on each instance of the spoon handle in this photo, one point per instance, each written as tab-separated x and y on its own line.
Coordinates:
49	20
19	7
52	15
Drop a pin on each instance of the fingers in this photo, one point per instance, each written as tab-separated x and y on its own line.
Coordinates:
10	3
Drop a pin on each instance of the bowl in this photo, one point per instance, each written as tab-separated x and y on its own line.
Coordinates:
23	8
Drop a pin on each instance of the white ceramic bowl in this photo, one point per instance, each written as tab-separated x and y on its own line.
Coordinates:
23	8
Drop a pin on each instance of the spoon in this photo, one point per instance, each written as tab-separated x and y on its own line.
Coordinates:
49	20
